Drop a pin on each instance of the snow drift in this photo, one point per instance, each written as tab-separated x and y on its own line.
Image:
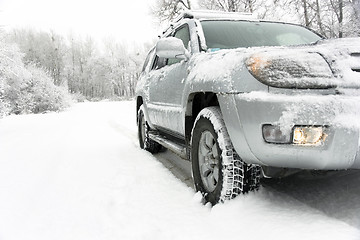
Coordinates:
80	174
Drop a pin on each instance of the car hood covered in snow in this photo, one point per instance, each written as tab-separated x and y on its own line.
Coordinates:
338	61
343	55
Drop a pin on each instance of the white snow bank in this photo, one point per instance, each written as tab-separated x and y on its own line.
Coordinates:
81	175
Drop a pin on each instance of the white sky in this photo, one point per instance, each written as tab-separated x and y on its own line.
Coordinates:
123	20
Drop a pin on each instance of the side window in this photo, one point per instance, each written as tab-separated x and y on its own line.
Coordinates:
148	57
182	33
159	63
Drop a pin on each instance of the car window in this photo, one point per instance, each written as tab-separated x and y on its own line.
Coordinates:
183	34
223	34
147	60
159	63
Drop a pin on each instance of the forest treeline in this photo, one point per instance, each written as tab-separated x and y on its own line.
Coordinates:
40	71
82	65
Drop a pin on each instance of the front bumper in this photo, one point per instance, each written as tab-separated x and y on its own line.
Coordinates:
245	114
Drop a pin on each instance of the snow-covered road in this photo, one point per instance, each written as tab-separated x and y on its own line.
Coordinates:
80	175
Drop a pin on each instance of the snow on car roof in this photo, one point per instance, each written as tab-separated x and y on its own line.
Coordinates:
208	14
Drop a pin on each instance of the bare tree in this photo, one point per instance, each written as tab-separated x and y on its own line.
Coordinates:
230	5
356	4
333	18
356	16
319	17
305	6
337	7
167	10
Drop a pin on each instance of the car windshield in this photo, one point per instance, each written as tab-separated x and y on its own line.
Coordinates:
226	34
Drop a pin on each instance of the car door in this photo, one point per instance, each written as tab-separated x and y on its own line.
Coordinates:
166	89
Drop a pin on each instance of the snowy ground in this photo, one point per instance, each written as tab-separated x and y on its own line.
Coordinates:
80	175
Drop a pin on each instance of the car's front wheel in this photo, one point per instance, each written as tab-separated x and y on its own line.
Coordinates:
218	171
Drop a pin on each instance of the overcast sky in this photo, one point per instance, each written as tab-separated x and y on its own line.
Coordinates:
119	19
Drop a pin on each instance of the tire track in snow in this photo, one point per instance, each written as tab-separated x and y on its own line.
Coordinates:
124	131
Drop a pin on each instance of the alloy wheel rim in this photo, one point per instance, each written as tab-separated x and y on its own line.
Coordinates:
209	159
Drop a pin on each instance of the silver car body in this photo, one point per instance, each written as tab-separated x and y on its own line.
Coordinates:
248	104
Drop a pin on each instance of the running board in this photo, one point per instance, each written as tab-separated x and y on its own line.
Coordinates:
177	148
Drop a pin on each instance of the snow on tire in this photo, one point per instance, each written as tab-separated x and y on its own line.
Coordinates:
218	171
143	134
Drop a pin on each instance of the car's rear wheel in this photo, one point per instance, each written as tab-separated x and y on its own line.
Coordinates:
218	171
143	134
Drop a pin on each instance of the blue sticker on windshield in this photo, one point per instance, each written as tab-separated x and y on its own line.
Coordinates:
214	49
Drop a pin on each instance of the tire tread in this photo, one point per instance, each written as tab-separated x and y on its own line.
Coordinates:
238	176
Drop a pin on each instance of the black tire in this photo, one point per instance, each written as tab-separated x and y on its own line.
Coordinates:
143	134
218	171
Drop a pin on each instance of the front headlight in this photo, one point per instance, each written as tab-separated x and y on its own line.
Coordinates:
308	135
300	135
291	69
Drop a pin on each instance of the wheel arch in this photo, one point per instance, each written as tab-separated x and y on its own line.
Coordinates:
195	103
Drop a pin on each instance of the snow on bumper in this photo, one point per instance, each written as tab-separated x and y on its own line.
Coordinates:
245	114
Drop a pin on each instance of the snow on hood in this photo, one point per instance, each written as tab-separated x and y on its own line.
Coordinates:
342	55
215	66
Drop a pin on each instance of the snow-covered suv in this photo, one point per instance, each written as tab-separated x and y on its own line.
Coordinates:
243	98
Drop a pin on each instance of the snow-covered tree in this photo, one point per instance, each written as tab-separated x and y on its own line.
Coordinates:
26	88
109	73
44	49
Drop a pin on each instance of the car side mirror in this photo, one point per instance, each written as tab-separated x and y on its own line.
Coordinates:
171	47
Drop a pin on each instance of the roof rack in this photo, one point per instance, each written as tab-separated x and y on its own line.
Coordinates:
209	14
